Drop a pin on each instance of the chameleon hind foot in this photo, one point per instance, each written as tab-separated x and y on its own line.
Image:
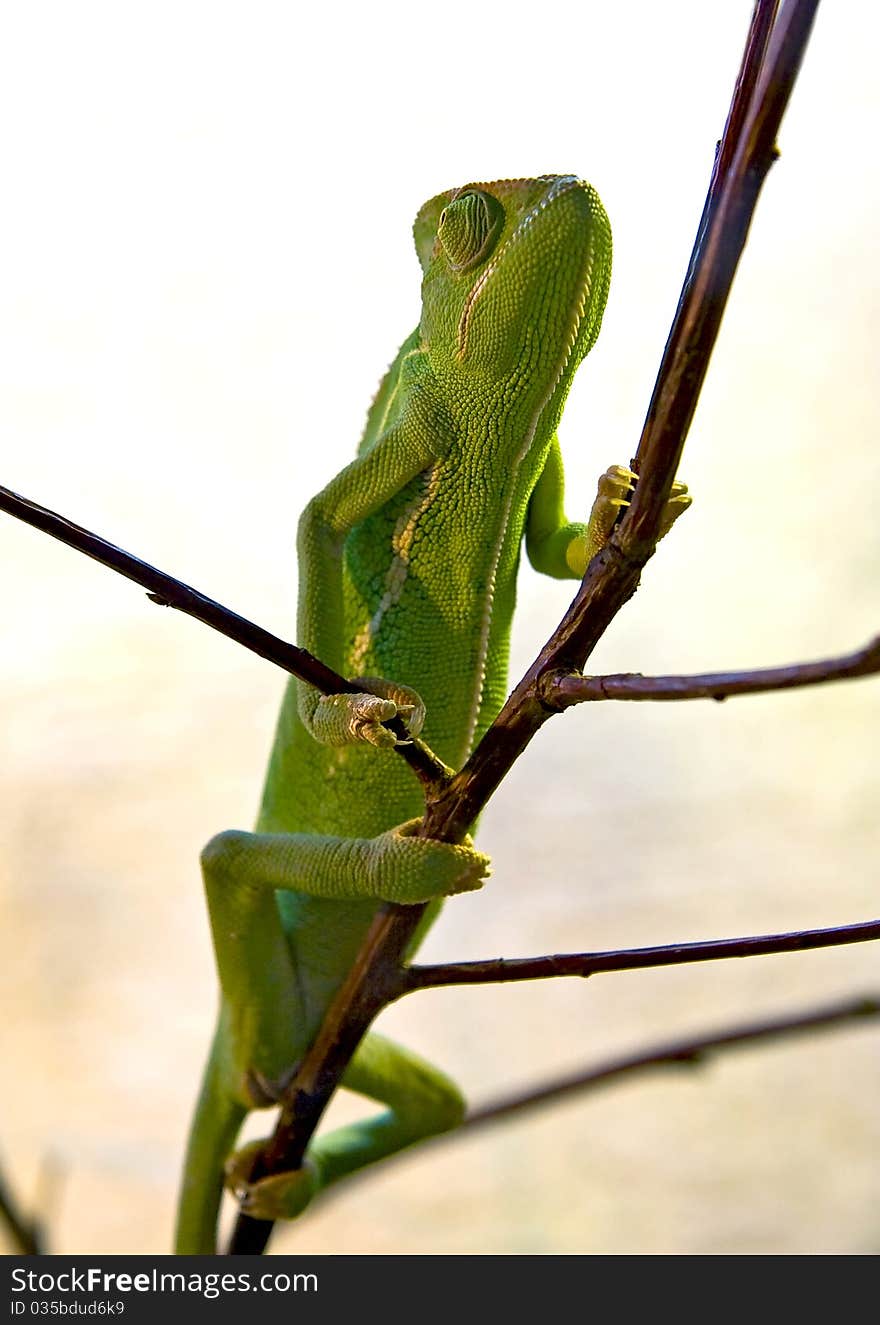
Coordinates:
282	1196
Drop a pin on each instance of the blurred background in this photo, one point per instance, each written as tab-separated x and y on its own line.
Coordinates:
206	266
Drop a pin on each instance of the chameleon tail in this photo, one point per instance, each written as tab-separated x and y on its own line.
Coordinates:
215	1126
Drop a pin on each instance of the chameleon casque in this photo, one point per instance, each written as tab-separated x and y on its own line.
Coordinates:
407	565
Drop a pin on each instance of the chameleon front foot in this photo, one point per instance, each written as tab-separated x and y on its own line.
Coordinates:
678	501
282	1196
615	490
357	718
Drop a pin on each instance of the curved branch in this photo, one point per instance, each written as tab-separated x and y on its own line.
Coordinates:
562	691
584	964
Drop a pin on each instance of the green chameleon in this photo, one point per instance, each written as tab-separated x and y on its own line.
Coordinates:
408	563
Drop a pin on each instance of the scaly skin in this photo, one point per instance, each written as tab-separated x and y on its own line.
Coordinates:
408	562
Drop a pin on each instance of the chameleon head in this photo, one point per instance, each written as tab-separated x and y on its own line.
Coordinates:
515	281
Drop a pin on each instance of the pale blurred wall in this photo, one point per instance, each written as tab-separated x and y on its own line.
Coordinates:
206	265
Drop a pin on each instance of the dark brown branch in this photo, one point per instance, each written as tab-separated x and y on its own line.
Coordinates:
165	590
754	55
502	970
168	592
563	691
771	63
26	1234
611	578
687	1052
371	983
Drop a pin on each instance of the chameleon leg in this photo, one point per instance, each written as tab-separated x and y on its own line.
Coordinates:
421	1102
563	548
263	1020
395	866
263	983
259	1011
215	1125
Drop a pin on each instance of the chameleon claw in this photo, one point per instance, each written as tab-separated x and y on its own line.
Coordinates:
616	479
282	1196
678	502
397	701
262	1091
379	736
615	488
405	712
266	1091
238	1167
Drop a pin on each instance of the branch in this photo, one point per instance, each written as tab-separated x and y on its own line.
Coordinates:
502	970
167	591
774	50
563	691
27	1234
754	55
687	1052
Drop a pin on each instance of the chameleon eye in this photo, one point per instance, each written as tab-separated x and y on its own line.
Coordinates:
469	227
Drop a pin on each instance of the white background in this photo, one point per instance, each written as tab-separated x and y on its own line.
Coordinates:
206	265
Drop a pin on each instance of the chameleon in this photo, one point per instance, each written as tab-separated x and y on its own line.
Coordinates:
407	562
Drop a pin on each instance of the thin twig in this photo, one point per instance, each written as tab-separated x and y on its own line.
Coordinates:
502	970
563	691
687	1052
167	591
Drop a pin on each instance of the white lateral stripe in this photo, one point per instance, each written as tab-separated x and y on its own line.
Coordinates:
396	575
